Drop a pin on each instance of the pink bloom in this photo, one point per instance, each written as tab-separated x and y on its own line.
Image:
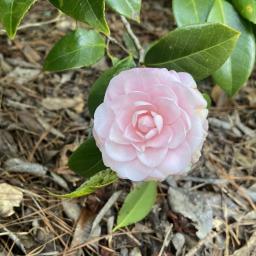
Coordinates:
152	124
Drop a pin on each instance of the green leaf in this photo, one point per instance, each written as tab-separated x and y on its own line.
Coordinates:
237	69
60	2
87	159
98	181
247	8
197	49
187	12
80	48
208	99
99	87
87	11
137	204
12	12
128	8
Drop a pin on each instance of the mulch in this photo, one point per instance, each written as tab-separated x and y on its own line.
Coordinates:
43	119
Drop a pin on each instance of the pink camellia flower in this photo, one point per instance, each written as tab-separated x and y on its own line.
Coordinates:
152	124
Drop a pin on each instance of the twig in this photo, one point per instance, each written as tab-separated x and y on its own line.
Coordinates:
96	239
113	40
248	248
134	38
205	180
246	130
14	238
201	243
32	153
227	231
166	240
106	207
211	235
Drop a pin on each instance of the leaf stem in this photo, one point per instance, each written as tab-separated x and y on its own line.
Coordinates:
113	40
134	38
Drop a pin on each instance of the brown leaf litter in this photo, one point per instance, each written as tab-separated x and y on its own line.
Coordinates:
44	117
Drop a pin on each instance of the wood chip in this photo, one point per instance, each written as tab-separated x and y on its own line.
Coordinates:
54	103
18	165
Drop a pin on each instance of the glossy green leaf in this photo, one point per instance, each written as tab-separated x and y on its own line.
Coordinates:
137	204
237	69
197	49
128	8
98	181
12	12
80	48
87	159
187	12
247	8
99	87
87	11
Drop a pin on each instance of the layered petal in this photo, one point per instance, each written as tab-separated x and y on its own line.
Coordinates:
118	152
103	119
116	135
188	98
168	109
187	80
163	139
152	157
179	134
177	160
152	124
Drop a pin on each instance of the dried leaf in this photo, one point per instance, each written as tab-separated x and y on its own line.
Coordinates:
54	103
7	144
31	55
82	229
10	197
194	207
71	209
178	242
23	76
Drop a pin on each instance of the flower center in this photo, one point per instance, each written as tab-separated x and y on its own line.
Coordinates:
147	123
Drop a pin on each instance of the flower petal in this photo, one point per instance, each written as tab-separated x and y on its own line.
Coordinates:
176	160
152	157
162	90
103	119
131	135
197	134
187	80
162	139
118	152
175	76
133	170
157	175
158	122
116	135
188	98
124	102
168	109
179	134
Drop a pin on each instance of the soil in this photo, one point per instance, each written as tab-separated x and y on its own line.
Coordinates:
43	119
